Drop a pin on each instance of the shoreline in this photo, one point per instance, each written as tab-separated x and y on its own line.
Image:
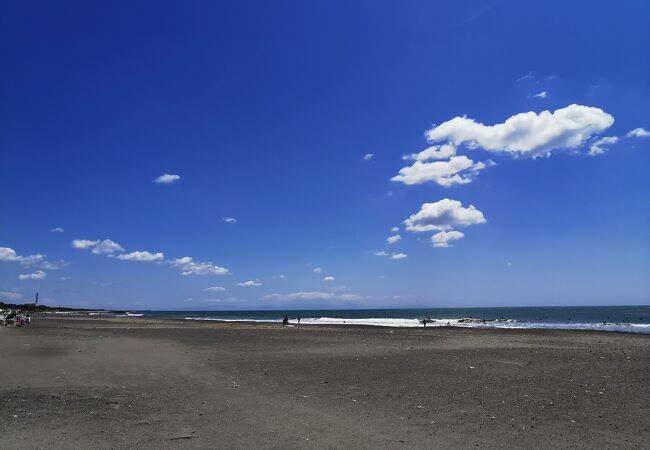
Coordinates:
629	319
144	320
626	328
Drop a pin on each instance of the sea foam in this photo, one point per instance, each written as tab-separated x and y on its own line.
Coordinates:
463	322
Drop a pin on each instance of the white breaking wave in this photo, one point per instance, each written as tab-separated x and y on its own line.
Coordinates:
222	319
461	322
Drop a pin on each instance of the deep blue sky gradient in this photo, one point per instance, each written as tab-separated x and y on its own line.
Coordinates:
265	110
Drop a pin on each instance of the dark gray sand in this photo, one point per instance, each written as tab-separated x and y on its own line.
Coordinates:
125	383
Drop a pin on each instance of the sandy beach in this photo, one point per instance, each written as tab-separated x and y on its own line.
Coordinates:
135	383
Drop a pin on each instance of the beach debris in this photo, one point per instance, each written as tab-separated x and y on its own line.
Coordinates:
113	405
472	367
235	386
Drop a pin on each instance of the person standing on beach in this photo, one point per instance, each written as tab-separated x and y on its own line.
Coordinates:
285	321
298	320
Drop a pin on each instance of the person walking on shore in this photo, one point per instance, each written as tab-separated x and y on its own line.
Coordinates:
285	321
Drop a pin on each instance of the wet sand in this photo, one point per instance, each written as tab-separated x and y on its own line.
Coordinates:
134	383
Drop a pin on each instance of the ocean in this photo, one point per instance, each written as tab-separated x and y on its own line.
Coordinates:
632	319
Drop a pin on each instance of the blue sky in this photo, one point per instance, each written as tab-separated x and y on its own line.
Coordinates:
307	123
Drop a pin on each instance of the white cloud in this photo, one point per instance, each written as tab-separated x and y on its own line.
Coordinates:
83	243
317	270
458	170
442	238
182	261
9	255
399	256
53	265
11	296
443	215
190	267
598	147
393	239
214	289
227	300
529	76
368	156
432	153
638	132
394	229
249	283
282	277
64	278
107	247
529	133
381	253
230	220
339	288
542	94
311	296
57	230
38	275
141	256
166	179
328	278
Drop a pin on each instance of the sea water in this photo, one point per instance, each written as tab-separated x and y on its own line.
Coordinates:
633	319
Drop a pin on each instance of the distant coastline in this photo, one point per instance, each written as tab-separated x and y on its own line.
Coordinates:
31	307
